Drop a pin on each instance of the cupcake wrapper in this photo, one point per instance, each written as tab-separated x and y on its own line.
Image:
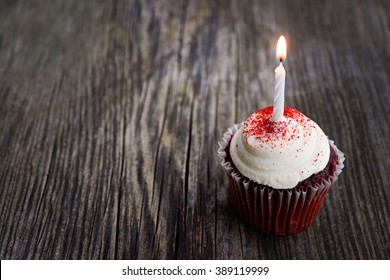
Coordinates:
275	211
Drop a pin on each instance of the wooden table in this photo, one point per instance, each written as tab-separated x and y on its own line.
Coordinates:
110	114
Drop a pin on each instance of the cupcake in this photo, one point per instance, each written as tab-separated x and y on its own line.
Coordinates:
279	171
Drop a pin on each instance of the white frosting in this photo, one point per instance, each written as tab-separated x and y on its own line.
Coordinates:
281	155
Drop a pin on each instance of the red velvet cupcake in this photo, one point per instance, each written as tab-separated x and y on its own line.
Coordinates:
279	172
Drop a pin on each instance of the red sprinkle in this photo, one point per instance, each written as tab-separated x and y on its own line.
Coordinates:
264	129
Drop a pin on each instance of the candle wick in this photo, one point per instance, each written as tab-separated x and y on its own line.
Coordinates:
281	60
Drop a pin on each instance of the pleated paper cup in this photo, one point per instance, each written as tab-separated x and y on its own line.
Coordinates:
278	211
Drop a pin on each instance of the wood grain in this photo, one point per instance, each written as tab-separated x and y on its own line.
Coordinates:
110	114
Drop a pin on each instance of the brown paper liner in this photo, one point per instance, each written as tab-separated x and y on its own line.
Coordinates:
278	211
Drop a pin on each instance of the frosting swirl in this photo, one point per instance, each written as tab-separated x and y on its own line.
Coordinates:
279	154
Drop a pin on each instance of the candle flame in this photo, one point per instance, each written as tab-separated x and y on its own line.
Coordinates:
281	48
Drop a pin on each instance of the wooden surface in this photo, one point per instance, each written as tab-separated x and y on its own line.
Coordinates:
110	114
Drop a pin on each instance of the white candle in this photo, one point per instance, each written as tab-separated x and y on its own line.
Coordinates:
280	79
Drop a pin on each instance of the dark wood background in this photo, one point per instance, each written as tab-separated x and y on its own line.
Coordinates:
110	114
